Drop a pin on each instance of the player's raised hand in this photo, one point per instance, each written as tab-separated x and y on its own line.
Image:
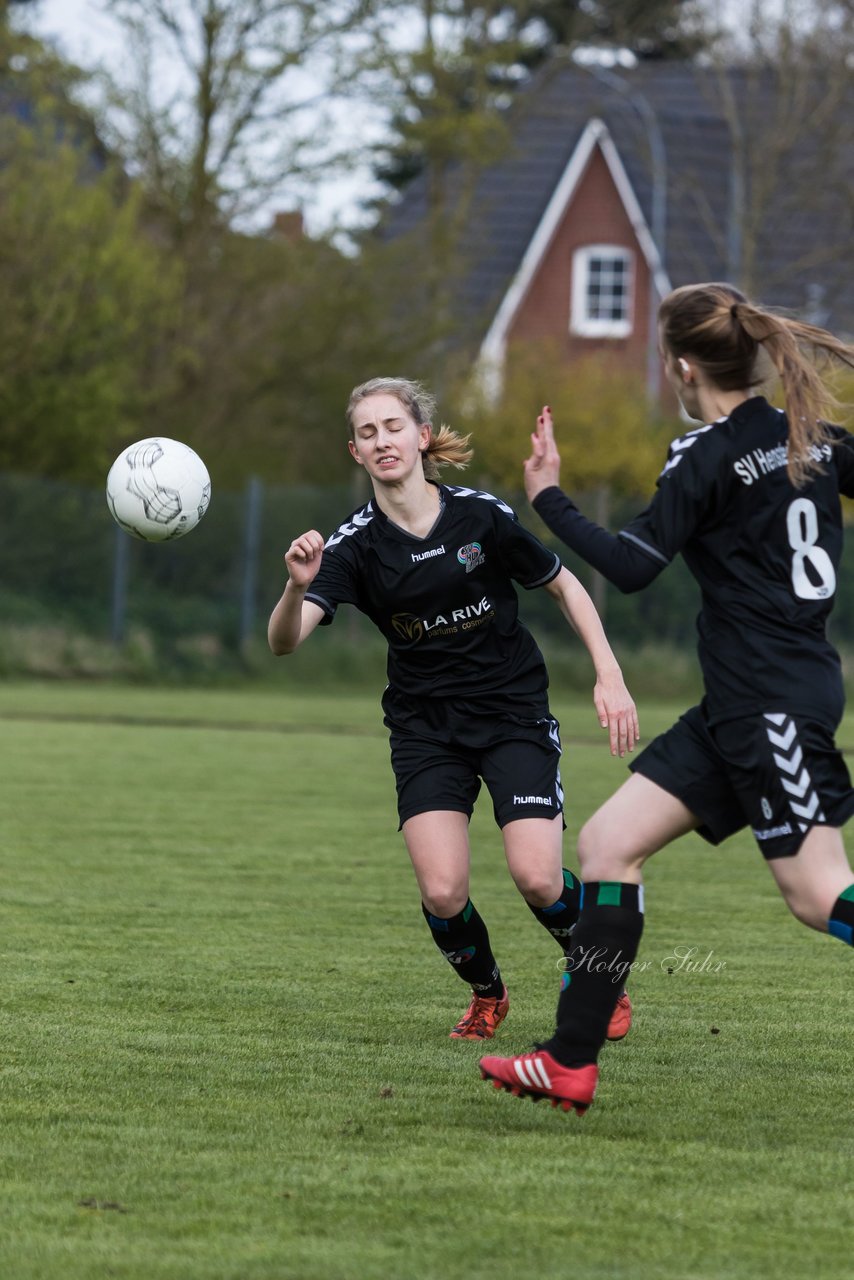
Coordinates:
617	712
303	557
542	469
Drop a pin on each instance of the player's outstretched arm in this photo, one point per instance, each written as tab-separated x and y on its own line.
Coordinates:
294	618
542	469
614	704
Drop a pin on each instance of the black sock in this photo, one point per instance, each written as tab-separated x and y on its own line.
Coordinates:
464	942
841	922
559	919
604	944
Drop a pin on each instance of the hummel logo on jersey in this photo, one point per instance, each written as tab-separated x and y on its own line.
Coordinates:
533	800
427	555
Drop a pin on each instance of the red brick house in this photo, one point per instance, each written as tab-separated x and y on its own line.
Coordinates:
618	186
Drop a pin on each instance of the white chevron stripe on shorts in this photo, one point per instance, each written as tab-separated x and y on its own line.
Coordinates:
788	757
535	1077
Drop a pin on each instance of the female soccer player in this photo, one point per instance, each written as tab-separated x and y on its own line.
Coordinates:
433	567
752	502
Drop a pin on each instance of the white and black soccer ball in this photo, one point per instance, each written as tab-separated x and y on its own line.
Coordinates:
158	489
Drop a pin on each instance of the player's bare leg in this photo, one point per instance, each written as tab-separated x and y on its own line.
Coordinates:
438	846
815	879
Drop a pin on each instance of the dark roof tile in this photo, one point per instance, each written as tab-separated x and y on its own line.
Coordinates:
800	240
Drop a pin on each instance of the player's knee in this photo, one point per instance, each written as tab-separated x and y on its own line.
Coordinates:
445	901
805	908
539	887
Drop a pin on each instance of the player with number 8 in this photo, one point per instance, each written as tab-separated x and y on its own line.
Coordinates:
750	499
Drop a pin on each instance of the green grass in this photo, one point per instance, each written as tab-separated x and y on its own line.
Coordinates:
224	1046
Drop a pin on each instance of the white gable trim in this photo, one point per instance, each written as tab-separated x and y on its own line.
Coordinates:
493	347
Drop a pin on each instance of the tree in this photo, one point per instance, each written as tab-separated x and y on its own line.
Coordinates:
601	413
784	82
241	119
7	5
270	345
609	445
267	334
87	295
448	87
648	29
87	300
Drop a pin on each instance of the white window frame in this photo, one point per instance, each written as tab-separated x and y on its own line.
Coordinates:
581	322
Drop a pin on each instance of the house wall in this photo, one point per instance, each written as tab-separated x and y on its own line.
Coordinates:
595	215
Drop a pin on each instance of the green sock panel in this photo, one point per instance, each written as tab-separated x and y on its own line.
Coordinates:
604	944
841	922
464	942
560	918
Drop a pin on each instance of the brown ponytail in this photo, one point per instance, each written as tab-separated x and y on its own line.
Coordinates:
731	339
446	447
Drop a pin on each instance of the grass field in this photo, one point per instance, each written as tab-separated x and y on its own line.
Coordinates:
224	1049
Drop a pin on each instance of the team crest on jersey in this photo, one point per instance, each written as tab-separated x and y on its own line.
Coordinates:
471	555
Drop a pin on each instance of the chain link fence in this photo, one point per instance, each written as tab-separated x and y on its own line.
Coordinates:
79	596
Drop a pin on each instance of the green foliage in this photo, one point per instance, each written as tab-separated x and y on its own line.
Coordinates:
274	336
651	29
606	434
204	1079
447	92
86	295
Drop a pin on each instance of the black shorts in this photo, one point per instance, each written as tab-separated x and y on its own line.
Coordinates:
779	774
441	749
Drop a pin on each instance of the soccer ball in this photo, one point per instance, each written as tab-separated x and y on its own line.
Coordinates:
158	489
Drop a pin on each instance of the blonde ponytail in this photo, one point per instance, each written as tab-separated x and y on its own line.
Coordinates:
446	447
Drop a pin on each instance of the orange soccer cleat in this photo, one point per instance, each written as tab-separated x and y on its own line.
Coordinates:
482	1018
621	1018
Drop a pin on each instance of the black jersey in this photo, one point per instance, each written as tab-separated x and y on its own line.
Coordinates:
445	603
766	557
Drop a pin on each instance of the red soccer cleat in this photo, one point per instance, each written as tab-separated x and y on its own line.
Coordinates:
482	1018
537	1075
621	1018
